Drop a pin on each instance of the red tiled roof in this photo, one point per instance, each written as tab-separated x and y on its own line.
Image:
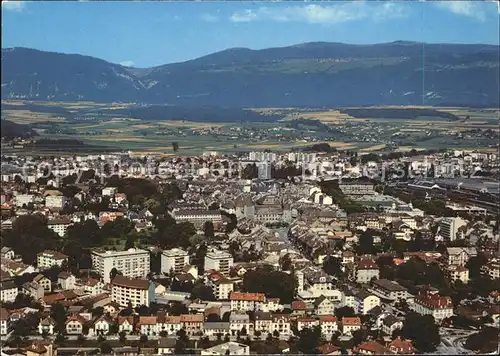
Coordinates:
351	321
399	346
374	347
255	297
327	319
299	305
130	283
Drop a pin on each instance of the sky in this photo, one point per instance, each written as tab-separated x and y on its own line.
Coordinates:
144	34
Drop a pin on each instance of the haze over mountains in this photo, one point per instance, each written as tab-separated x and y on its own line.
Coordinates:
317	74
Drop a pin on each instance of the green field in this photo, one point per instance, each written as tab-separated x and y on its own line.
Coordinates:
156	137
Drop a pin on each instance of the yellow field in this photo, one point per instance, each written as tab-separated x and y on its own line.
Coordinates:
373	148
29	117
191	124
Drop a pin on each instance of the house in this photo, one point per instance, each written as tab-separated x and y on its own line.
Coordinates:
44	282
323	306
147	325
4	321
112	308
8	291
428	303
212	329
33	289
365	302
299	307
46	325
460	255
169	323
66	281
49	258
192	324
126	324
166	346
281	324
228	348
401	347
389	290
371	348
458	273
350	325
241	301
41	348
365	270
390	323
328	326
74	324
90	286
100	326
240	322
6	253
329	349
306	323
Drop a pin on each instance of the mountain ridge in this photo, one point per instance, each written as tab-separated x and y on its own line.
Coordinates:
309	74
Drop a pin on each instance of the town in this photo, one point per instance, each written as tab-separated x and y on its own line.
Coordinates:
304	252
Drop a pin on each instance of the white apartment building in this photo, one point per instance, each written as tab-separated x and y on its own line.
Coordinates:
8	292
433	304
366	302
109	191
55	201
448	227
49	258
4	318
136	291
59	226
174	260
263	156
132	263
22	199
197	217
219	261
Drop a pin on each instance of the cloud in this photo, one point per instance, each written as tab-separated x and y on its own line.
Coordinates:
127	63
13	5
209	18
324	14
463	8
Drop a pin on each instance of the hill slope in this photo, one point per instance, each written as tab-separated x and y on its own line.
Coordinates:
11	130
308	75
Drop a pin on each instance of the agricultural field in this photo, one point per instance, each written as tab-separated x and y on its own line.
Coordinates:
97	124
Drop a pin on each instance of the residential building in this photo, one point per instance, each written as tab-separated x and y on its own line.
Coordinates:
49	258
323	306
55	201
136	291
192	324
365	302
428	303
4	321
350	325
174	260
328	325
389	290
46	325
33	289
241	301
460	255
8	291
228	348
219	261
197	217
44	282
66	281
366	270
457	272
449	228
59	226
74	324
132	263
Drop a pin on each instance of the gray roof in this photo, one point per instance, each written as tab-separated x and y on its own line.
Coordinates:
216	325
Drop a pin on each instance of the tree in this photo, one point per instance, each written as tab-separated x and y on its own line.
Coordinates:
344	312
332	266
309	340
211	318
485	341
175	146
113	273
123	337
208	229
474	265
285	262
114	328
106	348
58	313
143	339
423	331
274	284
203	292
365	244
